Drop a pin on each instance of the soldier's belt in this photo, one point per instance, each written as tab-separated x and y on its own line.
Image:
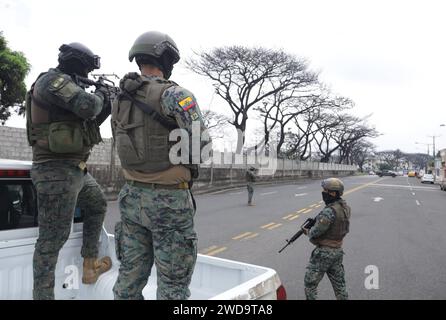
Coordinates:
182	185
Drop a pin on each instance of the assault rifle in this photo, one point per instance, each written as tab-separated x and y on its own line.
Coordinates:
102	81
307	225
105	82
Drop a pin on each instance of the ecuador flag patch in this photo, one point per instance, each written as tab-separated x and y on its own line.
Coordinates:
187	103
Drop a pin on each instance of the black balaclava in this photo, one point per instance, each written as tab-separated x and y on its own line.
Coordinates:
73	67
328	198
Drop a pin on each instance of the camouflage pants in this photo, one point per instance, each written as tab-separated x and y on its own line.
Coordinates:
325	260
61	187
157	226
250	187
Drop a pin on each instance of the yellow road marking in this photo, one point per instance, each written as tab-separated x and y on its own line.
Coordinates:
361	187
288	216
301	210
268	225
317	206
209	249
241	235
275	226
306	211
251	236
295	217
216	251
313	205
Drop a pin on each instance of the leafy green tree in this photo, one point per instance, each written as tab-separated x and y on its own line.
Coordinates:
13	69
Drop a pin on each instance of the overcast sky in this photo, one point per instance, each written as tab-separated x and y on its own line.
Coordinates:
387	56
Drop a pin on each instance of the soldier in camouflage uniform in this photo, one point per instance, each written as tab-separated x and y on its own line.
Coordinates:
332	224
156	205
250	179
62	127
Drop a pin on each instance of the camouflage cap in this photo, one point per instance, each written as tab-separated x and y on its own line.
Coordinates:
333	184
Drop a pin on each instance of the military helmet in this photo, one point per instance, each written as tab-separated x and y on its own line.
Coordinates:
78	51
155	44
333	184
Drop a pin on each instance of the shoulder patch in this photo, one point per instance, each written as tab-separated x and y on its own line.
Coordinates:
56	83
194	116
187	103
324	220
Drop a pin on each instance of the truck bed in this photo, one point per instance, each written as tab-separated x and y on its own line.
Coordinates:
213	278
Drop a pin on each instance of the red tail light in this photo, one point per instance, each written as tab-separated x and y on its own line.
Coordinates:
14	173
281	293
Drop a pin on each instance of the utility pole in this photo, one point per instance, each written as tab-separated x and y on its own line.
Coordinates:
433	145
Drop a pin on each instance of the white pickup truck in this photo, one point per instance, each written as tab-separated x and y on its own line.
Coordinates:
213	278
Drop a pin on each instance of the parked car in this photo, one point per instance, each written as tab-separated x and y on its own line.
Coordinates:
412	174
427	177
387	173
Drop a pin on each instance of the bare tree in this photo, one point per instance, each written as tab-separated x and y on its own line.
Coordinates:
419	160
295	107
389	158
215	123
352	130
245	77
360	151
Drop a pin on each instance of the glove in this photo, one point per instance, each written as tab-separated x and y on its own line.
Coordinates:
103	92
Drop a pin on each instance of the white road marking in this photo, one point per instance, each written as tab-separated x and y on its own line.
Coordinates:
300	194
418	202
400	186
266	193
413	193
378	199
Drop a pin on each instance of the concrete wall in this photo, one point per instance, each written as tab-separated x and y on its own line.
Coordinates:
14	145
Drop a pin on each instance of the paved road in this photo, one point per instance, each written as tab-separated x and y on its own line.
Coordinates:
397	225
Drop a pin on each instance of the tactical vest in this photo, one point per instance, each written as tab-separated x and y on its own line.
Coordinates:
53	132
340	227
142	143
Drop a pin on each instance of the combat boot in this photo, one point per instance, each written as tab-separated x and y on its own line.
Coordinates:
93	268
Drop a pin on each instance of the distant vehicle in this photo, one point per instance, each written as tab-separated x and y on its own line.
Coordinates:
412	174
372	173
387	173
427	177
